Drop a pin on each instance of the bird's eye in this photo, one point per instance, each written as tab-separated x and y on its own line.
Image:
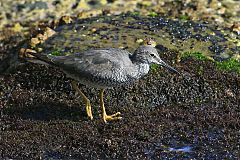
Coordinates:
152	55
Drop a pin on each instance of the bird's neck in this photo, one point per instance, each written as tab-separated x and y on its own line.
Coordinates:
142	69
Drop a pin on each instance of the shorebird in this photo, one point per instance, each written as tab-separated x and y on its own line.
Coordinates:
106	68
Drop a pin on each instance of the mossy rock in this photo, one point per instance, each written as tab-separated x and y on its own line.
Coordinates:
122	31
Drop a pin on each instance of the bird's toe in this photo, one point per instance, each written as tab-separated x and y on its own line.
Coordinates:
112	117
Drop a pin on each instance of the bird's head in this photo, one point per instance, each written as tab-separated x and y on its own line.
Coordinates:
148	54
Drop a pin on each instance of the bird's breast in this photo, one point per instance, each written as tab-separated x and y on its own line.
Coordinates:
111	78
116	76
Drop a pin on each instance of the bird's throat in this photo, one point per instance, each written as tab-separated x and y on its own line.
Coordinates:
143	69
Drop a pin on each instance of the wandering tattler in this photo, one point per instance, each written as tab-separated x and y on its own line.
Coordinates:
105	68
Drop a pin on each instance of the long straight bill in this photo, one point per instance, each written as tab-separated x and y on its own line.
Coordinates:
162	63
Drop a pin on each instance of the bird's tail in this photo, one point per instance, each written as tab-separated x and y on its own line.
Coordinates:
38	58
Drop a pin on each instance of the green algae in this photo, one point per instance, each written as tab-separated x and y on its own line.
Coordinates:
56	53
229	65
135	13
154	67
152	14
196	55
184	17
59	52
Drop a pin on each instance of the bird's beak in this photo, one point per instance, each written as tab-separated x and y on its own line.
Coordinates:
164	64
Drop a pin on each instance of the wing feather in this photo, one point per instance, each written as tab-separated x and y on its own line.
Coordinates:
100	62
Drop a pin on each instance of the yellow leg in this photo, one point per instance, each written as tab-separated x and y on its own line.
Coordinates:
85	99
104	114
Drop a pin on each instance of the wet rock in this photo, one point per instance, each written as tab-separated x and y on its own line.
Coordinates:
124	30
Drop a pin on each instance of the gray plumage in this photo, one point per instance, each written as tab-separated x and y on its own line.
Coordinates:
103	68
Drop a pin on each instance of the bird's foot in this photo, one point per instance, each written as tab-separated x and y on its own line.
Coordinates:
89	109
112	117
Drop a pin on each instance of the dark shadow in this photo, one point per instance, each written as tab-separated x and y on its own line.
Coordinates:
48	111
